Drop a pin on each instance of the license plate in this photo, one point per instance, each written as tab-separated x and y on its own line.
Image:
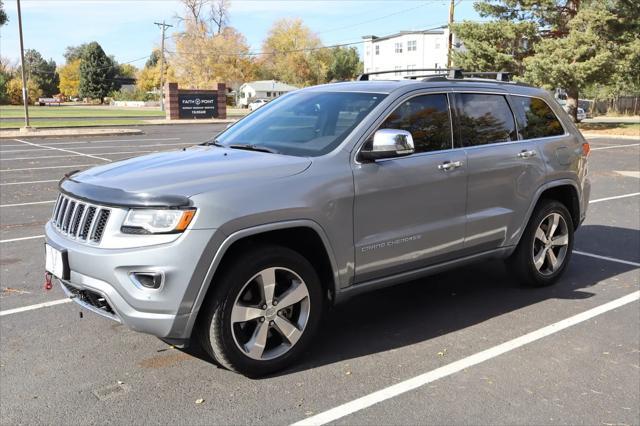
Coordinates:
56	262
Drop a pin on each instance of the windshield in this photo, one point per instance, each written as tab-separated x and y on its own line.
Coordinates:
305	124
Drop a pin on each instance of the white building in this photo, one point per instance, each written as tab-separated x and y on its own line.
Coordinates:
405	51
265	89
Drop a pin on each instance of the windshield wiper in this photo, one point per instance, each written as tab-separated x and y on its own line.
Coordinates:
251	147
213	142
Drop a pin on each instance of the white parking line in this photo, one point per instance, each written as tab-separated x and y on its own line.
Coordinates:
68	151
36	306
104	141
30	182
104	147
610	259
614	146
28	204
470	361
617	197
48	167
73	155
11	240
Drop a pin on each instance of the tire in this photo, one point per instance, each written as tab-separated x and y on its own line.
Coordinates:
533	260
236	343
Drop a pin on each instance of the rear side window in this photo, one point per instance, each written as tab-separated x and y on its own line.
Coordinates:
484	119
535	118
426	117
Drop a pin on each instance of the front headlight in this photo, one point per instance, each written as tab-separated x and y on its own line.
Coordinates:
156	221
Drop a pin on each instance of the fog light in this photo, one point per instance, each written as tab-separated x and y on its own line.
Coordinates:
152	280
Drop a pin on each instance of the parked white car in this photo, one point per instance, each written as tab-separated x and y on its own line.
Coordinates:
257	104
580	114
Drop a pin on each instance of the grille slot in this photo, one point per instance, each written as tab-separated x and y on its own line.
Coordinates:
80	220
101	224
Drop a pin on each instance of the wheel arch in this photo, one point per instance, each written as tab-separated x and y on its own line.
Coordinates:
304	236
564	190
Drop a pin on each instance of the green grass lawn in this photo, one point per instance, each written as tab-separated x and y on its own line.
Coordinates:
73	111
13	124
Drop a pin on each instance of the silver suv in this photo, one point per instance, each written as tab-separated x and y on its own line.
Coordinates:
242	243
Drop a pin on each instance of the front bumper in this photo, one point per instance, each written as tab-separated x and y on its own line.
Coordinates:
99	280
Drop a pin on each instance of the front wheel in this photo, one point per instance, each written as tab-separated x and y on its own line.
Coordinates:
546	245
264	311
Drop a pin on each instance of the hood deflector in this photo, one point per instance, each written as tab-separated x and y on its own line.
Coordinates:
117	197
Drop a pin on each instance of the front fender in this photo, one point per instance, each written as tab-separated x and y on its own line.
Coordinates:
247	232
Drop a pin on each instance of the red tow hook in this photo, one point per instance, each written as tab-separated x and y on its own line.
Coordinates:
47	281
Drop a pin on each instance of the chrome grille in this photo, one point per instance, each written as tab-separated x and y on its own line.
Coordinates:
80	220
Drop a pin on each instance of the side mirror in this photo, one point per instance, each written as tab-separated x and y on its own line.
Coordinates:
387	143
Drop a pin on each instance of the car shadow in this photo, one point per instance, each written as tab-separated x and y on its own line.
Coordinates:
437	305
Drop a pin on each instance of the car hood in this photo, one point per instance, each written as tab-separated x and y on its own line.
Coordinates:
184	173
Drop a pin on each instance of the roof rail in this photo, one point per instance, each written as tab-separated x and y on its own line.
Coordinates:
439	73
365	76
497	75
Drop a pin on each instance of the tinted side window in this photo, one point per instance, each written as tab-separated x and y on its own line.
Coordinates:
535	118
427	119
484	119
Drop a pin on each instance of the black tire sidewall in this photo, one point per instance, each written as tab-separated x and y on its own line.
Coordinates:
232	282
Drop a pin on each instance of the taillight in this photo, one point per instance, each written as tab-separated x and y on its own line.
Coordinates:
586	149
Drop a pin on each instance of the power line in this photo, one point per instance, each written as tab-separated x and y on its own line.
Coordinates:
374	19
277	52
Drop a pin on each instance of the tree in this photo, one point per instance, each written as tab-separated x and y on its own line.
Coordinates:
592	52
494	46
568	44
211	15
219	14
154	59
72	53
14	91
201	60
127	70
7	72
42	72
345	64
70	78
288	54
3	15
551	16
148	78
97	73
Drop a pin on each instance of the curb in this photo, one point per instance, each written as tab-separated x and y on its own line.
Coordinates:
65	132
146	123
603	135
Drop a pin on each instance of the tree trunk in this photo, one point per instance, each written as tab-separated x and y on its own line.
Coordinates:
572	103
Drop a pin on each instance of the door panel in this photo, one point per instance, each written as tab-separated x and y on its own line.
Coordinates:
408	213
502	183
503	172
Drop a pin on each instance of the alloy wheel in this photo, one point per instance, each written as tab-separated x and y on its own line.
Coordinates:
550	244
270	313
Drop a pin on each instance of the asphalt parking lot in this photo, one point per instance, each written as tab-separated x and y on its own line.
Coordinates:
465	347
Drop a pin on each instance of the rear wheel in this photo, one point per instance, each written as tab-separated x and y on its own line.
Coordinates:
263	313
546	245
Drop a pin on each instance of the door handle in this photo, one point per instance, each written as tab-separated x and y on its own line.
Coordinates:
449	165
526	154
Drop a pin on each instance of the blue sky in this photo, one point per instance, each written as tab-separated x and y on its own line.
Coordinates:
125	28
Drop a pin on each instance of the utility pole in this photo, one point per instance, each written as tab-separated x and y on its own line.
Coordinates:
450	43
163	26
25	94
